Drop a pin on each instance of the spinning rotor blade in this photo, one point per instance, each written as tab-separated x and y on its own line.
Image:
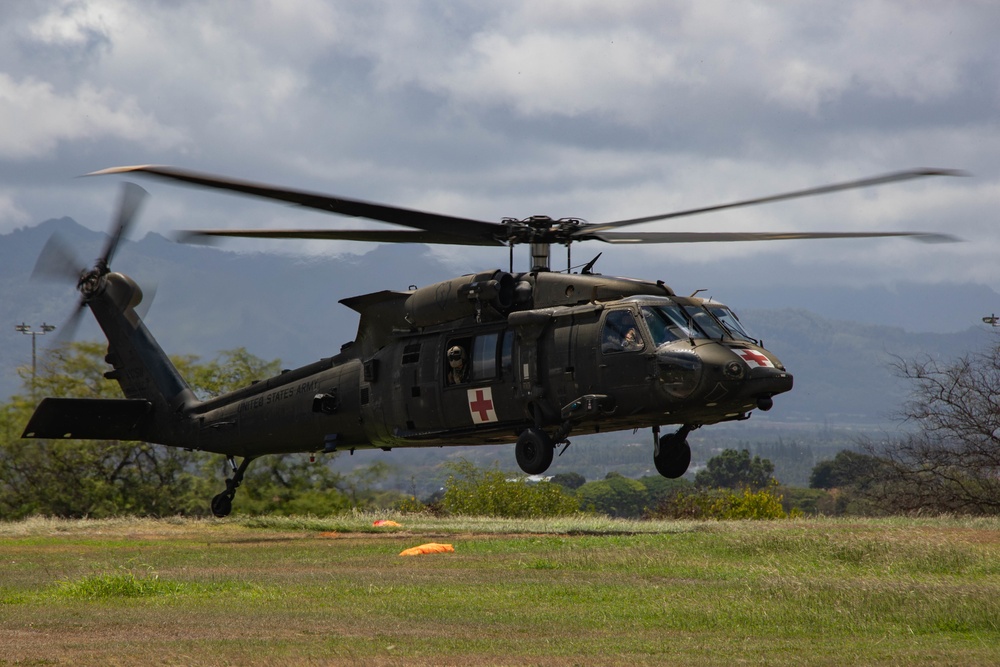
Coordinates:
810	192
442	229
716	237
57	262
374	236
67	332
131	200
463	231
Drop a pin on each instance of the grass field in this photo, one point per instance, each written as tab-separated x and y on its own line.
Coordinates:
564	592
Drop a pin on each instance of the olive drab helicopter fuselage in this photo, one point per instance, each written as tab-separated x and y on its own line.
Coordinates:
488	358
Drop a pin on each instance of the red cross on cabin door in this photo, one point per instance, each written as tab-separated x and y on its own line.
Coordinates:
481	406
755	359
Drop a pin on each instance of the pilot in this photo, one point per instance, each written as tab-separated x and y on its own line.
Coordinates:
456	362
632	341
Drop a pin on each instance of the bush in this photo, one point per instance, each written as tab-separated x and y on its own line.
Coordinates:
721	504
749	504
410	505
477	492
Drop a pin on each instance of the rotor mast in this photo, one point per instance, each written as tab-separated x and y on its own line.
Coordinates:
540	252
541	231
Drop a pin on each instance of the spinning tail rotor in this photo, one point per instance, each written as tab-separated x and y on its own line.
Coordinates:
59	263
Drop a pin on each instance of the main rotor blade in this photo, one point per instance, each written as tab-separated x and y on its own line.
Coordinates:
724	237
373	235
465	230
131	200
894	177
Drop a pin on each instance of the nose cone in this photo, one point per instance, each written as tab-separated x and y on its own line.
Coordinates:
716	381
765	376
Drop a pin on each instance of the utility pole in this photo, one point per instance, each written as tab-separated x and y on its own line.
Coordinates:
27	331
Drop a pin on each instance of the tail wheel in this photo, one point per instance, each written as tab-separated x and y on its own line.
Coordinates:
673	456
534	451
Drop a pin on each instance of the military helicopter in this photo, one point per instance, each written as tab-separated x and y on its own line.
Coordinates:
494	357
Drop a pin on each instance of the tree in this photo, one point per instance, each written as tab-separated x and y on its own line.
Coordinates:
951	462
569	480
846	469
75	478
735	470
616	496
231	370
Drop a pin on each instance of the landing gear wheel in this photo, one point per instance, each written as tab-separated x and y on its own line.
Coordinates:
222	505
534	451
673	456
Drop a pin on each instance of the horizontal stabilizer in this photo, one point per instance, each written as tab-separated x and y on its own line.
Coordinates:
88	418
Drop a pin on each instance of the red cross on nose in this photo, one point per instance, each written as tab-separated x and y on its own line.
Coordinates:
752	356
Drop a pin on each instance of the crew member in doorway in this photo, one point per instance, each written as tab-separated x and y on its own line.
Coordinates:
458	370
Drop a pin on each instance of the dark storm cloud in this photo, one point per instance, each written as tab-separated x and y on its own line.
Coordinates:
487	109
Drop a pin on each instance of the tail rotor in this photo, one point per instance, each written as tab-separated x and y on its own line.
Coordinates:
59	263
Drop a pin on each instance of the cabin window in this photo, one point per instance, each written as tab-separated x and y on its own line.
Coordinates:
474	358
484	356
507	354
457	364
620	333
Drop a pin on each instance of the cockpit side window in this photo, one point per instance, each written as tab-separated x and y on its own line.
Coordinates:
620	333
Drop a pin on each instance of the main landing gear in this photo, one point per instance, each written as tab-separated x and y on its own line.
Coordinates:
671	453
222	504
534	451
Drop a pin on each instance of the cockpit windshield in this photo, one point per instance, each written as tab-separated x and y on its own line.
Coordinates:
668	323
731	322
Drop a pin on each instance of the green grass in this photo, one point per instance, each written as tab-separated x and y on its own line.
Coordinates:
268	591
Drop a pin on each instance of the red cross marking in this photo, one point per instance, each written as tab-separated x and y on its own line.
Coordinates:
755	357
482	405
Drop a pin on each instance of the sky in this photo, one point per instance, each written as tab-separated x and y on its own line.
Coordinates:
489	109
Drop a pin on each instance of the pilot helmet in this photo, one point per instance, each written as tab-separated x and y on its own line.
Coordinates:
456	356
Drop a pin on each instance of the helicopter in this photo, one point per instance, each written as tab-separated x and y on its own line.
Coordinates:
499	356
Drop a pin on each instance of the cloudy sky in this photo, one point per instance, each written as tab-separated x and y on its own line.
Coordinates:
483	109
